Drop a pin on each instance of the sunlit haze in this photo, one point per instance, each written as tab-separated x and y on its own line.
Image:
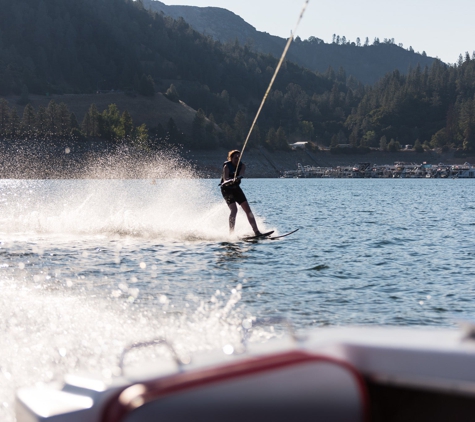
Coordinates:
441	29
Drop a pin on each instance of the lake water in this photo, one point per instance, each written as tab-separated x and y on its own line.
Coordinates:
89	266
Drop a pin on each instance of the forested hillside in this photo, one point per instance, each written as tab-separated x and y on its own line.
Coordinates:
67	46
435	105
59	46
364	59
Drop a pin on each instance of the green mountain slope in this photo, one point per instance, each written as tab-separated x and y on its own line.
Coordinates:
81	47
366	63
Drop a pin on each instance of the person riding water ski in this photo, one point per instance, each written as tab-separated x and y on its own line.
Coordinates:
233	193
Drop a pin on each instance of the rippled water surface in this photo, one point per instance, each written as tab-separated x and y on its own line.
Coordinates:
87	267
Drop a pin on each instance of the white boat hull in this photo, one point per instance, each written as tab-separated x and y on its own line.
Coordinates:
334	374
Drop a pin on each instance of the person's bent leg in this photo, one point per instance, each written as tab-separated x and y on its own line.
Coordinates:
250	216
232	217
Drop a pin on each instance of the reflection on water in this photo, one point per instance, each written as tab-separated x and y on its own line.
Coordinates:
231	252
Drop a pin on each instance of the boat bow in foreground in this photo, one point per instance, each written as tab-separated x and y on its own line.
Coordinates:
330	374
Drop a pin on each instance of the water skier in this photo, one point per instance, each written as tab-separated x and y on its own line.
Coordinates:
233	193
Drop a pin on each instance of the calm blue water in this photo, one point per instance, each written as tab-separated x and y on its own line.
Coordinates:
87	267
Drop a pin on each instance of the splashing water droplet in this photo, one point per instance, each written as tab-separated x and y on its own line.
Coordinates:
116	293
228	349
143	265
134	292
247	324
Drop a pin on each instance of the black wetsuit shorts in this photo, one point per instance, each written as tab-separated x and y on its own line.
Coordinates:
233	194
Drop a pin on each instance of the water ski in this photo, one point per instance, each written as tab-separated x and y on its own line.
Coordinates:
268	236
259	236
282	235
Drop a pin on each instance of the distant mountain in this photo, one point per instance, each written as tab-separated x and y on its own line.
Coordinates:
368	63
220	24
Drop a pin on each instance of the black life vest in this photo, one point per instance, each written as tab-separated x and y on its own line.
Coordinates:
232	170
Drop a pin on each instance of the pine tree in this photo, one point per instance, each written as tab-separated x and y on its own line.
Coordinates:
91	122
42	122
76	132
4	117
126	125
73	121
173	134
172	94
140	137
64	121
439	139
469	138
281	140
52	113
271	139
28	121
306	130
87	125
109	123
393	146
146	86
14	125
240	128
418	146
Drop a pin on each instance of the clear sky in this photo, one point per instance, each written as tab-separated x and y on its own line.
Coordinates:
441	28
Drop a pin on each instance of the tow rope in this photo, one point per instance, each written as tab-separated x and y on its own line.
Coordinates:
289	41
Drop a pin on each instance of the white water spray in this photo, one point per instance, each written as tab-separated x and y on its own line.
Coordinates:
47	334
165	210
74	294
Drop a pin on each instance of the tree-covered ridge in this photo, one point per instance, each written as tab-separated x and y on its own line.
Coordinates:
70	46
84	46
365	61
58	46
433	105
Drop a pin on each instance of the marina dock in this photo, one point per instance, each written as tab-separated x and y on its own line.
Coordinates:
396	170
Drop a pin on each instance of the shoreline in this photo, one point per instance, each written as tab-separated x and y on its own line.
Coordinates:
261	163
56	163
